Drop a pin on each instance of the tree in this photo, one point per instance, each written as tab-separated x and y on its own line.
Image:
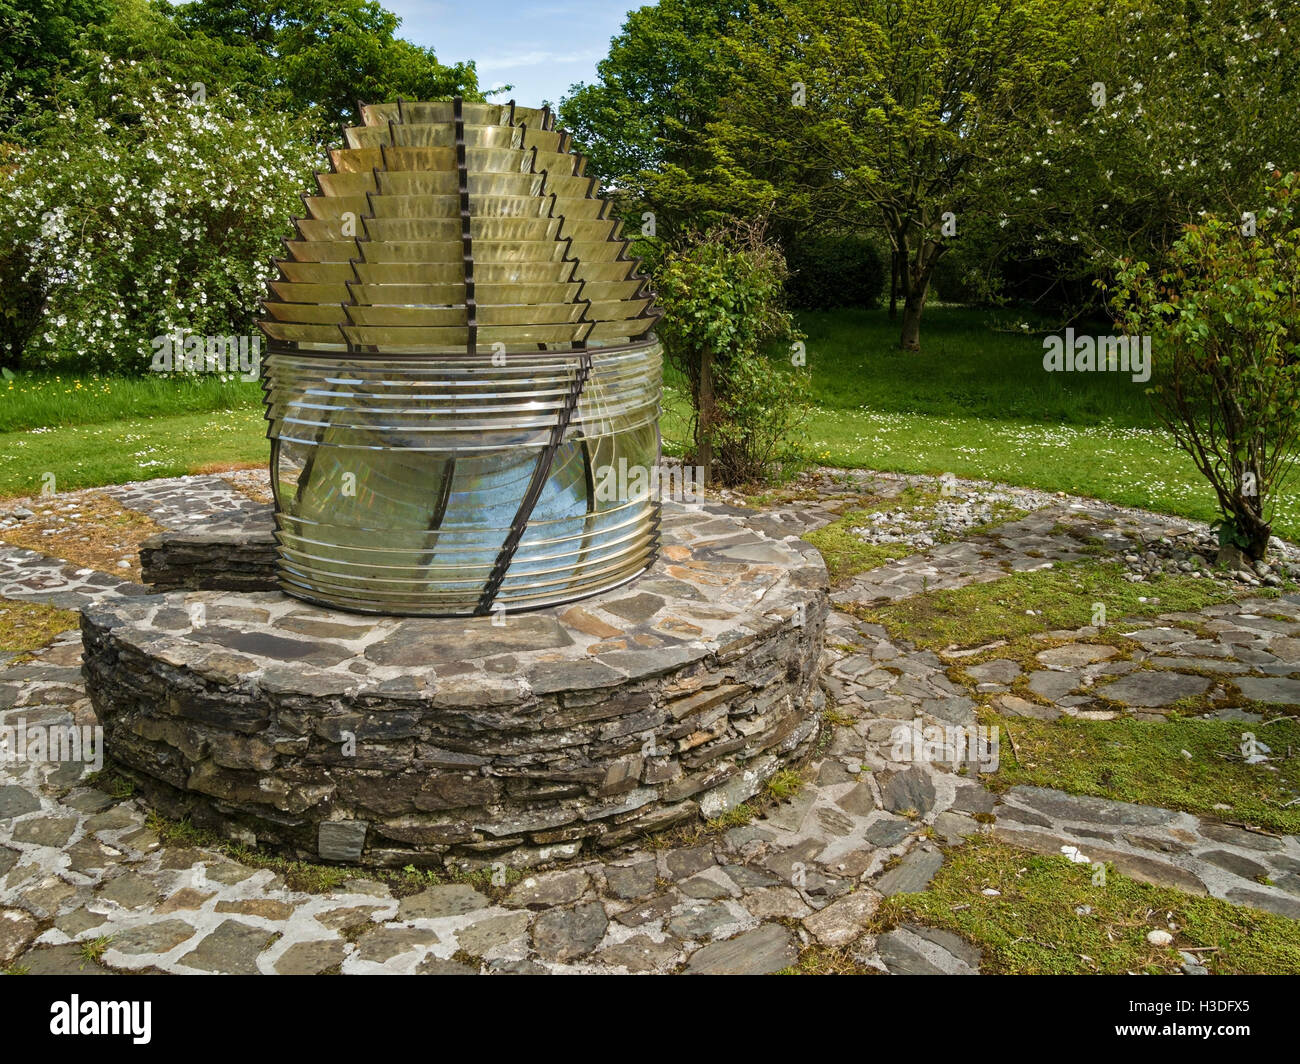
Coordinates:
1182	108
845	112
38	38
1224	315
322	56
659	87
313	58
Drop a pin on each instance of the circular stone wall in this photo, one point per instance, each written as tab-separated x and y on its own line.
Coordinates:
524	738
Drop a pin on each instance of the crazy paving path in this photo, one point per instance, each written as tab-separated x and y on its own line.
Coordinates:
86	884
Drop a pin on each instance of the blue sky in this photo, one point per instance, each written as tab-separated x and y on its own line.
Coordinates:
541	48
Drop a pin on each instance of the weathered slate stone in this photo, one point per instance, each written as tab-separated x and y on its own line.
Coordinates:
1259	899
384	943
565	935
232	949
45	831
341	840
454	899
997	671
910	790
1088	810
1230	833
555	888
69	959
1150	688
310	958
17	929
912	874
911	950
1275	689
16	800
844	919
1235	863
160	937
699	921
488	936
1076	654
888	831
765	950
635	879
640	953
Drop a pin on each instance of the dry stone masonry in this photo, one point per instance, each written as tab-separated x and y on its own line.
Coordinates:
524	738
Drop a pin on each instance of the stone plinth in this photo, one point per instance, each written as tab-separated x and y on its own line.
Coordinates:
524	738
228	552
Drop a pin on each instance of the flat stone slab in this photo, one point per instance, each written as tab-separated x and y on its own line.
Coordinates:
17	929
532	736
998	671
763	951
160	937
1151	688
232	949
912	950
16	800
1087	810
310	958
1074	654
565	935
912	874
1276	689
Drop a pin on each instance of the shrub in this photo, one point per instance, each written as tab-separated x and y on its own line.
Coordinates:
160	215
726	328
1224	316
832	270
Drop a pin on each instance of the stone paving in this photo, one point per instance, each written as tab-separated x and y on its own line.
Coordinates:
87	886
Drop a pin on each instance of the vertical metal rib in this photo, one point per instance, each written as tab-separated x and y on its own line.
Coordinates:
466	239
541	472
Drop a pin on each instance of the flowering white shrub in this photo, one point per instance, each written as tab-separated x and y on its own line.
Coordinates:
163	216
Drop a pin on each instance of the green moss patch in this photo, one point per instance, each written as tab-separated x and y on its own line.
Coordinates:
28	625
1048	918
1023	604
1182	763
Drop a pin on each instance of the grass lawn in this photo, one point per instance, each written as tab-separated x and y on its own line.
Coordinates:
113	452
975	402
50	400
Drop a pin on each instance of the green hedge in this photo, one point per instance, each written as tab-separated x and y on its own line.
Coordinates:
831	270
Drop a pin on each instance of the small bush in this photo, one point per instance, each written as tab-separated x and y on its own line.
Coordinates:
831	270
726	328
1223	312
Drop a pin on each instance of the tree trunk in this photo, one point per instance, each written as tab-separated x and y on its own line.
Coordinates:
704	420
910	339
893	285
1257	537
